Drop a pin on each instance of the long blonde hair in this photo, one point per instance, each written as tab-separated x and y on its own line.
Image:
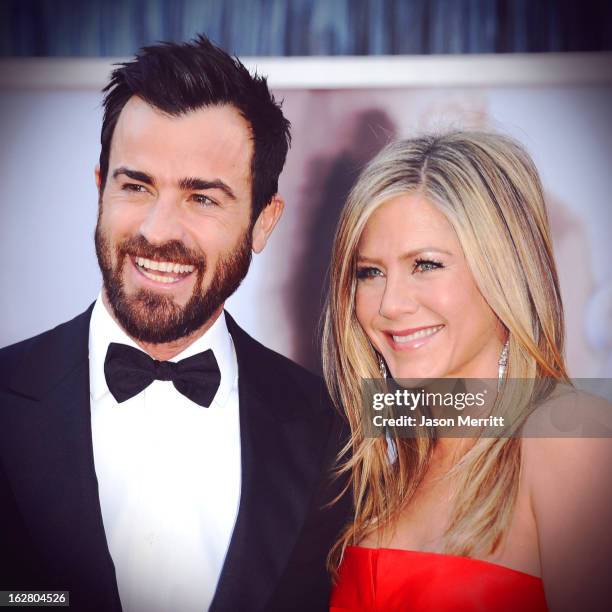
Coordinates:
489	189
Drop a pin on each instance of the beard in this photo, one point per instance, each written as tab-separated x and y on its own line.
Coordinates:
153	318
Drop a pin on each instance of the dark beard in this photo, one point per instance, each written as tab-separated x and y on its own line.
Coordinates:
152	318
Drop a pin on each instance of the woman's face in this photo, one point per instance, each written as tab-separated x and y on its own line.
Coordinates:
416	298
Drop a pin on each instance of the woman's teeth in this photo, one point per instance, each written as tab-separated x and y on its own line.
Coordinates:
422	333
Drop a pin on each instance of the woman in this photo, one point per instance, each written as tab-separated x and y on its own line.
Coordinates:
443	268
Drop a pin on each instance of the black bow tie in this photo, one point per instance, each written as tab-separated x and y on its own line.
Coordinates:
129	371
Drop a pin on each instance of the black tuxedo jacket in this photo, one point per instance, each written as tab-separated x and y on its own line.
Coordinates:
51	530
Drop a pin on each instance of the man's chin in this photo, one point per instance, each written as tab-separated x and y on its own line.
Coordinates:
151	300
152	318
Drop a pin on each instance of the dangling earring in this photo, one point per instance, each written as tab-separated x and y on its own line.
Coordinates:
502	364
382	368
391	447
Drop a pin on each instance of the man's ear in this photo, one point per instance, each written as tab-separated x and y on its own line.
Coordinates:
98	177
266	222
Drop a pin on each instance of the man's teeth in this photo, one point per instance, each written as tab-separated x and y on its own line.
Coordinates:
164	266
422	333
160	279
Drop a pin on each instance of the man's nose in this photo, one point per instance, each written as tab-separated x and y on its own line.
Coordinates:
162	221
398	297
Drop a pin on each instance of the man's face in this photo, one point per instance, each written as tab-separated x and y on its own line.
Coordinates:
173	236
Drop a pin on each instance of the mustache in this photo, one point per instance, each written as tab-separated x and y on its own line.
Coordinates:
173	250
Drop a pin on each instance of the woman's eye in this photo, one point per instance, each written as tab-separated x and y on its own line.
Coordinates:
426	265
203	200
368	272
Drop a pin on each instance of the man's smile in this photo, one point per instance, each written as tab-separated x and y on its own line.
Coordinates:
165	272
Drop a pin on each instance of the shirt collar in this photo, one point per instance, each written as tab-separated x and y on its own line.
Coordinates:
103	330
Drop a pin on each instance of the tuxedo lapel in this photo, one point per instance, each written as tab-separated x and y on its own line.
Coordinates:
54	481
281	456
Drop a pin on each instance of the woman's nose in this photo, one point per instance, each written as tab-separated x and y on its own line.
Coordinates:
398	298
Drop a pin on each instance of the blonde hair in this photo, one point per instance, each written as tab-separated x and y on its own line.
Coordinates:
489	189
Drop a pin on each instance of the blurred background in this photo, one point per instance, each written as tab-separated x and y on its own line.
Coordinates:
352	74
111	28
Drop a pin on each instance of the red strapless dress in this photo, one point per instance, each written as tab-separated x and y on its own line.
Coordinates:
388	580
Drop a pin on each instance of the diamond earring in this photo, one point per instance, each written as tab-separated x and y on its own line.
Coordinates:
502	364
382	368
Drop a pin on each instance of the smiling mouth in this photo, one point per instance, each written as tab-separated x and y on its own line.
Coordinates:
162	271
415	336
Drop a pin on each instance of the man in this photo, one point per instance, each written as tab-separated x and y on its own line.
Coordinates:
153	456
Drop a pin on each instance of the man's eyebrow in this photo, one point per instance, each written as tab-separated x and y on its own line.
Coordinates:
197	184
135	175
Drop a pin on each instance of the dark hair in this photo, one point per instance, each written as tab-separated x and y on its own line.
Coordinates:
181	77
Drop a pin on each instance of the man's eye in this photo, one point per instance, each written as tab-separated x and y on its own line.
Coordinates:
203	200
368	272
134	187
426	265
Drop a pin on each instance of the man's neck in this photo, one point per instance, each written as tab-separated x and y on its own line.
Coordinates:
167	350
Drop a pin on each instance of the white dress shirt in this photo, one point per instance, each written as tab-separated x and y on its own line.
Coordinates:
168	474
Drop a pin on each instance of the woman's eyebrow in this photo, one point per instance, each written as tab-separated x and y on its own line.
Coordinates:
408	255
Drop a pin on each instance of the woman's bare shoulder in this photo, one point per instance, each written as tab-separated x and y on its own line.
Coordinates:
571	413
567	469
569	433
